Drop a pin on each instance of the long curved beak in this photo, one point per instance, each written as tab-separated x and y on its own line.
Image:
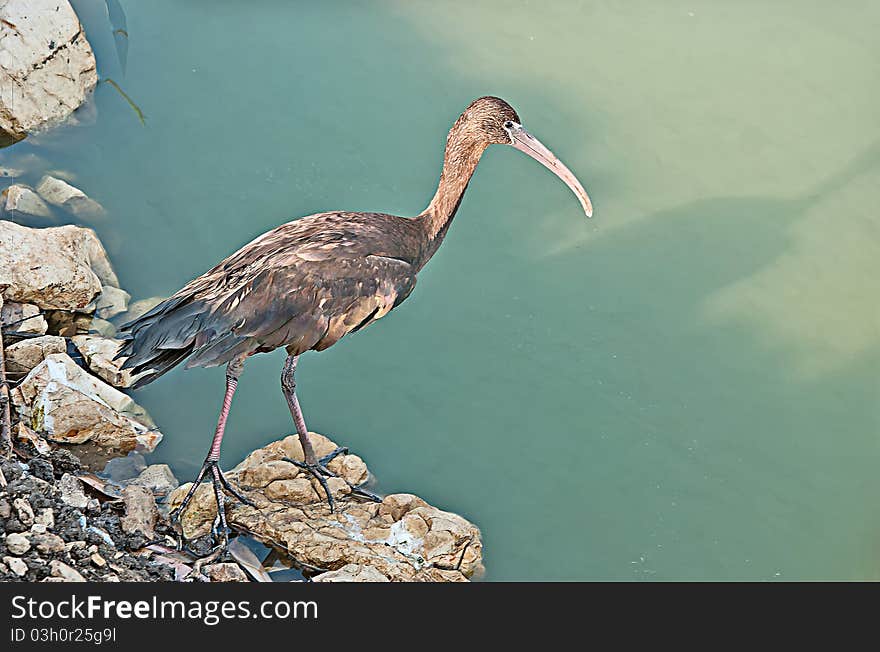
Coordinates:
528	144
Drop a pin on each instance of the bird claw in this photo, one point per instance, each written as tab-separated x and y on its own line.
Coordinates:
219	528
320	472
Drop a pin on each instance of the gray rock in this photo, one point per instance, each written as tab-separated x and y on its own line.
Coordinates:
99	353
125	468
24	511
72	491
47	543
22	317
58	268
47	67
140	307
45	516
141	513
17	544
66	404
225	572
60	193
66	574
111	302
19	198
158	478
16	565
26	354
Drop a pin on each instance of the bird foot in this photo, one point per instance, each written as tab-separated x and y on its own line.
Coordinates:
219	529
320	472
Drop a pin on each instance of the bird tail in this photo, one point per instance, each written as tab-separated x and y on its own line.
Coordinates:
160	339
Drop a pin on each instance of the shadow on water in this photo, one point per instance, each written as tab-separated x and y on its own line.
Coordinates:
784	457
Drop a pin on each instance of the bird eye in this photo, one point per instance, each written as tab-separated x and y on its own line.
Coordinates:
508	125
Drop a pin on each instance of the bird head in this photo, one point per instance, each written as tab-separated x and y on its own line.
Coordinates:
493	121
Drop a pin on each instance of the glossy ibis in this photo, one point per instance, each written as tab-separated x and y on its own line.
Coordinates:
307	283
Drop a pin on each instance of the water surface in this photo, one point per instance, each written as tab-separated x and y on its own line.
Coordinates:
685	387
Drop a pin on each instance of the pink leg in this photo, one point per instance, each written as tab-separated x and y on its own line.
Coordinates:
214	453
233	370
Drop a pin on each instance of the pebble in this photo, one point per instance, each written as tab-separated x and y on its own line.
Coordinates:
16	565
17	544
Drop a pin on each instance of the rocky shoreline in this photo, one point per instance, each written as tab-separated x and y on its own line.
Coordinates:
79	503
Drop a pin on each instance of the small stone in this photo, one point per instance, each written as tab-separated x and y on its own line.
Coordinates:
102	327
120	469
72	491
5	508
158	478
16	565
23	356
226	572
74	545
19	198
24	511
22	317
111	302
98	560
48	543
92	549
46	517
141	513
60	193
17	544
64	572
38	528
141	307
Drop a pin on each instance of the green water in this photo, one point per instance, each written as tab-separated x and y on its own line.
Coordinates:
685	387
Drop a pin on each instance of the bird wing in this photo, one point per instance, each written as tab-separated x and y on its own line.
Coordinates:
303	285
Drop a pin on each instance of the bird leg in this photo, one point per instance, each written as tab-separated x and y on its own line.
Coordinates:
212	461
317	467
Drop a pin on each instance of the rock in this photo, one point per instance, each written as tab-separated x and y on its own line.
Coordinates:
98	560
5	508
72	491
352	573
21	317
403	538
98	353
47	67
226	572
298	490
16	565
141	307
102	327
61	401
19	198
121	469
64	572
158	478
58	268
141	513
7	172
111	302
60	193
17	544
47	543
23	356
45	516
23	511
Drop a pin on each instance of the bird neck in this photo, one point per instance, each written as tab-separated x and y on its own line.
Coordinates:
460	161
